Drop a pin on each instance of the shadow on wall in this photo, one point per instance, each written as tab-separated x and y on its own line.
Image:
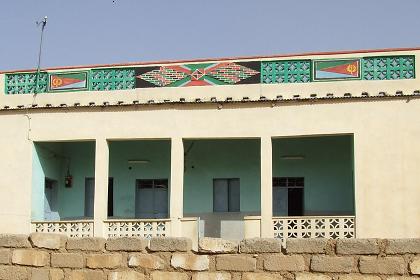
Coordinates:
61	188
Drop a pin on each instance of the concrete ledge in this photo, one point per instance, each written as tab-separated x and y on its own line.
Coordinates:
14	240
260	245
104	261
30	257
284	263
190	262
333	264
67	260
126	275
128	244
170	244
403	246
217	245
387	265
357	247
236	263
303	245
50	257
86	244
48	240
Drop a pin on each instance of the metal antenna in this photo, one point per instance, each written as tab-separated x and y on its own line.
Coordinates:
43	23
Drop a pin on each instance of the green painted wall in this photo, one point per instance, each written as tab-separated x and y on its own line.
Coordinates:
159	167
44	164
82	166
209	159
327	169
51	160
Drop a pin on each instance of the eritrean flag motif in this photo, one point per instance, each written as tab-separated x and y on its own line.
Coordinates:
68	81
342	69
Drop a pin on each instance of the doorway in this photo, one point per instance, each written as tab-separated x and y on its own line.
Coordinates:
151	199
288	196
90	197
50	201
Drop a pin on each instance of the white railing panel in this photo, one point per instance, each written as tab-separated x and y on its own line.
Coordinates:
314	227
139	228
83	228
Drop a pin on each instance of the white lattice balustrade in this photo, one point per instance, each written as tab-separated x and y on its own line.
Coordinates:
139	228
70	228
314	227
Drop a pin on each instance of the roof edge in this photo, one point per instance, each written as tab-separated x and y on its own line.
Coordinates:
145	63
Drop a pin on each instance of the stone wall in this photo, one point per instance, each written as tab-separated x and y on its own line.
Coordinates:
55	257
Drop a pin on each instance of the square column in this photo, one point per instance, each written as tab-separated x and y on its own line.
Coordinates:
176	193
100	213
267	230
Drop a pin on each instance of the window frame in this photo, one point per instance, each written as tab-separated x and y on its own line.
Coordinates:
290	183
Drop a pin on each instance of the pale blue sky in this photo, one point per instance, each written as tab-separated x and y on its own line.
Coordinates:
83	32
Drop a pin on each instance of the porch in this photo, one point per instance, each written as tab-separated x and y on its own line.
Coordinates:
230	188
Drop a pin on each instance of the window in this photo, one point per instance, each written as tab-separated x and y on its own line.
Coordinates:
151	198
226	195
288	196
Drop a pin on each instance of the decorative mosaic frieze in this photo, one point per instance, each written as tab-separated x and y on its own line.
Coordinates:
202	74
112	79
285	71
388	68
219	73
26	83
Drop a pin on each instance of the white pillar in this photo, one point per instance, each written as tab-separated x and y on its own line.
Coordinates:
267	230
176	193
101	187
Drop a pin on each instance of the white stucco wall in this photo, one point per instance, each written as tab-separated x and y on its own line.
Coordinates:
386	134
385	146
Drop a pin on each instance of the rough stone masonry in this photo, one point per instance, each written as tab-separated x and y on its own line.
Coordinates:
43	256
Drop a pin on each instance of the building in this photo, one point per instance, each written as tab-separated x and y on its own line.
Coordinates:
307	145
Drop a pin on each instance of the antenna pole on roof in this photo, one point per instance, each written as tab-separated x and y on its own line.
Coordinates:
43	23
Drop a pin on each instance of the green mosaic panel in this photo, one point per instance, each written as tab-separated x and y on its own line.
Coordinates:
112	79
286	71
26	83
388	68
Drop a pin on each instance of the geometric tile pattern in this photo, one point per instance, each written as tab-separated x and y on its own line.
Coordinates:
314	227
231	73
26	83
388	68
201	74
112	79
163	76
283	71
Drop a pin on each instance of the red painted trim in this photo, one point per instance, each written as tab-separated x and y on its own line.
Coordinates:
163	62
